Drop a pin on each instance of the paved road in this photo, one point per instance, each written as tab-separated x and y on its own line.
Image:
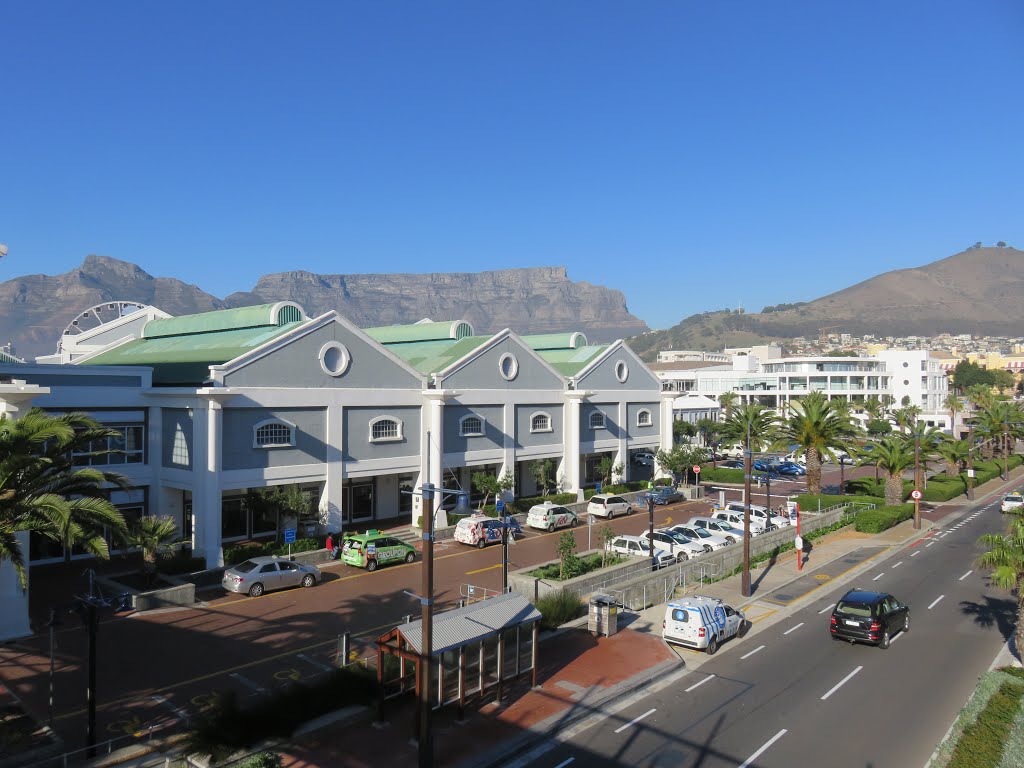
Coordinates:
789	695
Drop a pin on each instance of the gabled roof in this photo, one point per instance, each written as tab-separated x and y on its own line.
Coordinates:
434	356
181	349
569	362
421	331
474	622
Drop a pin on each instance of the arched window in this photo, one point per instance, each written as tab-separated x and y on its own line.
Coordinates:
384	429
643	418
273	433
540	422
471	426
179	449
597	420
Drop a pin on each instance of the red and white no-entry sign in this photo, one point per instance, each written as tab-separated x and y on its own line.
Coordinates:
696	468
915	494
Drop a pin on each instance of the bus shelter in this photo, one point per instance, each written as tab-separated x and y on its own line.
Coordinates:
476	649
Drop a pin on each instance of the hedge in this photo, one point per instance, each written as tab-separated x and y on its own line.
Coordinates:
883	518
809	502
242	552
981	745
558	607
579	566
973	713
721	474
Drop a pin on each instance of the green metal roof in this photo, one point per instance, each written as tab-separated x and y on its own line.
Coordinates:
275	314
417	332
435	356
571	340
569	362
186	359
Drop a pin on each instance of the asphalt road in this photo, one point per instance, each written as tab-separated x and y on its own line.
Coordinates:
789	695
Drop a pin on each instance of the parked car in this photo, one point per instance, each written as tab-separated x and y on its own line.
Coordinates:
720	527
758	513
796	458
699	622
264	574
373	548
735	519
605	505
732	464
790	468
1011	501
763	465
664	495
480	530
677	543
734	451
548	516
643	458
637	547
710	541
861	616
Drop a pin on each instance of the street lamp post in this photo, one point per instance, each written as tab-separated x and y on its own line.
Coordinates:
970	462
426	745
917	481
748	461
650	528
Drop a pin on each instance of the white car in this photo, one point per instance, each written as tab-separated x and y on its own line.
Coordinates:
547	517
677	543
643	458
721	527
796	458
700	622
605	505
637	547
735	519
1011	501
757	512
710	541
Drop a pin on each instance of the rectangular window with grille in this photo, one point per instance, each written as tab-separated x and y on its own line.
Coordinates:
275	433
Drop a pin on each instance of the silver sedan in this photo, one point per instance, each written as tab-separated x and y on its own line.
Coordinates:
263	574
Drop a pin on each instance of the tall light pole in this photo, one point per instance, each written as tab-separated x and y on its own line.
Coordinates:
970	462
748	462
650	528
917	480
426	744
52	624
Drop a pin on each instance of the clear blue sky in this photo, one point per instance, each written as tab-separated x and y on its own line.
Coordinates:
694	155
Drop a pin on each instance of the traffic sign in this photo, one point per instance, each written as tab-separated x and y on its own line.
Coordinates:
915	494
499	505
289	535
696	469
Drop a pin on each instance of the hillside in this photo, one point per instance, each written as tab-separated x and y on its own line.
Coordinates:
976	291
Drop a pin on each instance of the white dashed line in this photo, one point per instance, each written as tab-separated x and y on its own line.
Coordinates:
793	629
879	576
841	683
635	720
898	564
698	685
752	652
767	744
565	762
826	608
915	554
929	543
965	575
935	602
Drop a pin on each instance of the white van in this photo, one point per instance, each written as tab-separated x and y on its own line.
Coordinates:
734	451
700	622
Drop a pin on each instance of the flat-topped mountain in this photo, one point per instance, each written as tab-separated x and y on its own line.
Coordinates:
35	309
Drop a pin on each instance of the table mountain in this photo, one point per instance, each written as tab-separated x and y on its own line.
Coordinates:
35	309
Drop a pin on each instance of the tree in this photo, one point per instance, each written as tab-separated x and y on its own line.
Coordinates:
155	536
607	534
728	401
491	485
924	440
681	429
873	408
607	468
680	459
1001	244
819	427
1003	380
954	453
892	455
45	490
1005	558
967	374
566	554
708	431
878	427
543	472
954	405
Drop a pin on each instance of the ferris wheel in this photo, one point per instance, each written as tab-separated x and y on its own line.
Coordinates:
98	315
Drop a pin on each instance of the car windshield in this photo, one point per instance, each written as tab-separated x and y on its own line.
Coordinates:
700	532
725	524
1015	498
352	544
677	536
245	567
854	608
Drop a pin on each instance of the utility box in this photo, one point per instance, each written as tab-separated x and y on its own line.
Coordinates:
604	616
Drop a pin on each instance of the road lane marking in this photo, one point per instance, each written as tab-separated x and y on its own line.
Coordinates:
935	602
793	629
752	652
826	608
879	576
841	683
565	762
929	543
698	685
767	744
898	564
965	575
915	554
635	720
248	683
315	662
180	713
481	570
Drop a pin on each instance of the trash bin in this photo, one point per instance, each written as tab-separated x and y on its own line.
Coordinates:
604	616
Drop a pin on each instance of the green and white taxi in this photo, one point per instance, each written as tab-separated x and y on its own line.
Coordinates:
548	516
373	548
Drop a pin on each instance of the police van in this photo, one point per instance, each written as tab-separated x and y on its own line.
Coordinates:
701	623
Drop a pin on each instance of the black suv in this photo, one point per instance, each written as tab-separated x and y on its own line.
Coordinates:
869	617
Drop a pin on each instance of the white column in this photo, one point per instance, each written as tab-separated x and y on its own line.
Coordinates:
332	499
570	469
432	451
206	500
509	431
622	444
155	459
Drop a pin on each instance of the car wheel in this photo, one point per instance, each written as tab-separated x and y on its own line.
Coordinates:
575	522
410	557
884	642
480	544
308	580
730	539
681	557
712	646
629	509
371	565
551	528
708	548
256	590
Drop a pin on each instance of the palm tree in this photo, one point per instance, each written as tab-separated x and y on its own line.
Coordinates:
893	455
954	453
980	395
819	426
906	416
1002	423
873	408
1005	558
954	405
155	536
43	491
751	424
728	402
924	440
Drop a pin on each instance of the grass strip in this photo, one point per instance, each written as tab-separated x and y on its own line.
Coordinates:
982	741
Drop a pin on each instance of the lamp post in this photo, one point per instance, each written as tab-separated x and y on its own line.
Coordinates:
650	528
970	462
426	745
748	460
917	481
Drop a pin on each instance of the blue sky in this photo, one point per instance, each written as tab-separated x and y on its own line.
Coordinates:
694	155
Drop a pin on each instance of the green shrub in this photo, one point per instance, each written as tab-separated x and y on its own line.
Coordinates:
944	491
721	474
981	745
585	564
810	502
558	608
181	561
241	552
883	518
260	760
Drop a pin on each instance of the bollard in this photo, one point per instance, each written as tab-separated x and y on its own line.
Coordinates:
346	644
408	618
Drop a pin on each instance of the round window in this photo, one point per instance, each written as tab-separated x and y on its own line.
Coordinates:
906	383
334	358
621	371
906	365
508	366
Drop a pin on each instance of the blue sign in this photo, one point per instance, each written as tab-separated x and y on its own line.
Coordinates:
289	535
499	505
598	487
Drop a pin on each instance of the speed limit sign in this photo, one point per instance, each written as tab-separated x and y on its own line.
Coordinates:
696	469
915	494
